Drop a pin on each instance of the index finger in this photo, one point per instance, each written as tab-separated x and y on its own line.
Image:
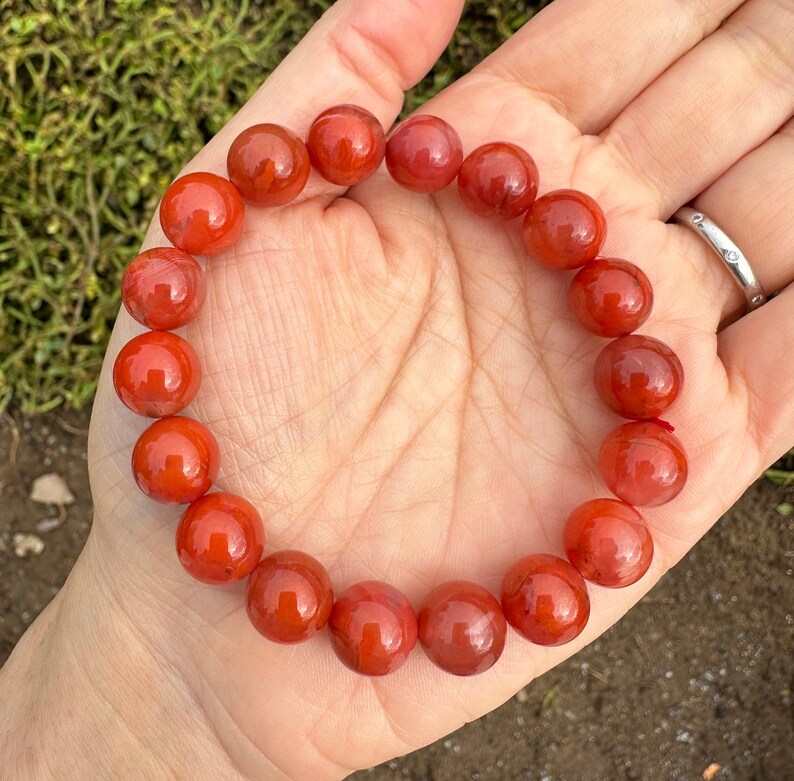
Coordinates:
364	52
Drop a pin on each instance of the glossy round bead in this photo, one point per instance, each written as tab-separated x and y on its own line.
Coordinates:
373	627
638	377
643	463
163	288
608	542
424	154
545	599
176	460
462	628
564	229
157	374
346	144
498	180
202	214
611	297
289	596
268	164
220	538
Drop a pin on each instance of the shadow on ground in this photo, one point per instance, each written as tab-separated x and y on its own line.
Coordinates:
694	683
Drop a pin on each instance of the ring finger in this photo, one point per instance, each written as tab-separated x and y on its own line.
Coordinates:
751	202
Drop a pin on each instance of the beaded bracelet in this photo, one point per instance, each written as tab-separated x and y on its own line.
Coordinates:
220	537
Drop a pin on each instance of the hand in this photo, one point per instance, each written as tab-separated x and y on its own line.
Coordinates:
404	395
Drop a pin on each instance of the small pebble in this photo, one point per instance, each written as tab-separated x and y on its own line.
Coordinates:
48	524
27	544
51	489
711	771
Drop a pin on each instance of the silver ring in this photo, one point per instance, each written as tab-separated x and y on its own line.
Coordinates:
730	254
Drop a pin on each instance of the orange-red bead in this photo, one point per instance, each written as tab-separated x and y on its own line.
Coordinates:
289	596
462	628
373	628
268	164
545	599
643	463
157	374
220	538
163	288
202	214
498	180
424	154
638	377
608	542
564	229
176	460
611	297
346	144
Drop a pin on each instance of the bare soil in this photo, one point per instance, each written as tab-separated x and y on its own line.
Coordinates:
695	683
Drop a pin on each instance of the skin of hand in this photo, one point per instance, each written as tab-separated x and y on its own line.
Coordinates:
404	394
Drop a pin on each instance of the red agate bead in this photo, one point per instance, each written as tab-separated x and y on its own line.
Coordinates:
202	214
373	628
289	596
638	377
564	229
157	374
220	538
643	463
608	542
268	164
545	599
498	180
424	153
163	288
176	460
611	297
346	144
462	628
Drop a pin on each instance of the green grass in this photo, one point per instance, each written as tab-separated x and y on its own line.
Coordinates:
101	103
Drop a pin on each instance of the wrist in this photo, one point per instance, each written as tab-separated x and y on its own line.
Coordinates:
85	690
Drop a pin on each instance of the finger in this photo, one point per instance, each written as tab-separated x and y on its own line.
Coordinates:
752	203
590	59
756	352
718	102
365	52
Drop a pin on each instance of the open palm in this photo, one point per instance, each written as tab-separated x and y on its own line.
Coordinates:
404	394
